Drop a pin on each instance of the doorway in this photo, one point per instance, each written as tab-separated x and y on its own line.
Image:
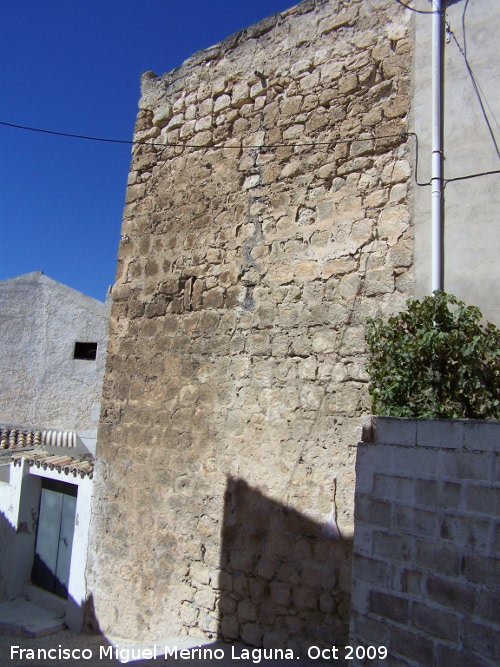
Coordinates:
54	539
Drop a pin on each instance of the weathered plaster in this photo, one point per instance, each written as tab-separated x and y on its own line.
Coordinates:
41	385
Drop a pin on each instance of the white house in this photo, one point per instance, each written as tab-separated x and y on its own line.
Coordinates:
53	347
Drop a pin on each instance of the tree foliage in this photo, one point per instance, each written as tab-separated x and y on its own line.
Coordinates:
436	359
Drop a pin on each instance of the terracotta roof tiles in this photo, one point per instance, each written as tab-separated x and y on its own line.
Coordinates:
24	443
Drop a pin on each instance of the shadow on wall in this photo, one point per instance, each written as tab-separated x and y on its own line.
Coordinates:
283	582
7	534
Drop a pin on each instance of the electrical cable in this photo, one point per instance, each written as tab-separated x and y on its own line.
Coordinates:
417	11
464	35
475	84
66	134
422	185
463	27
181	145
465	178
445	180
128	142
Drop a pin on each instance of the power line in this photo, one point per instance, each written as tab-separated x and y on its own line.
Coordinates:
182	145
475	84
66	134
401	135
465	56
463	27
417	11
465	178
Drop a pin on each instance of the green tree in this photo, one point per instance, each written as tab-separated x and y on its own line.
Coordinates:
436	359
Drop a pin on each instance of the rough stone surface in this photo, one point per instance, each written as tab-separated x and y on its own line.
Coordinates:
259	234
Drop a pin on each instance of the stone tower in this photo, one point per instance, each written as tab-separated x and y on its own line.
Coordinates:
266	219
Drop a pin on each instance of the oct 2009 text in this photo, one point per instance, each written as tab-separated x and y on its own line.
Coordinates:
235	653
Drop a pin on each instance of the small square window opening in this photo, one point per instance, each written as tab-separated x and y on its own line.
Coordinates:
87	351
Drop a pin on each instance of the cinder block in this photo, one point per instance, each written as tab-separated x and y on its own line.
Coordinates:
437	557
420	523
360	596
364	479
368	630
484	500
481	640
442	433
443	495
371	511
393	488
371	571
496	542
394	548
451	657
410	645
417	461
394	431
406	581
363	540
482	570
437	623
464	465
489	606
379	458
482	436
451	594
465	531
389	606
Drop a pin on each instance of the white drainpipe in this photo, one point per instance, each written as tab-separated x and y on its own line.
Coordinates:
437	147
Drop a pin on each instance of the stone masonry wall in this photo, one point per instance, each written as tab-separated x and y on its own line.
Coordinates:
266	218
426	571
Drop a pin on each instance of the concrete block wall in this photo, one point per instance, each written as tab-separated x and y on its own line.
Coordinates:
426	570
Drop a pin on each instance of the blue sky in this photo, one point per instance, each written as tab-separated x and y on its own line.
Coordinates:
74	66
